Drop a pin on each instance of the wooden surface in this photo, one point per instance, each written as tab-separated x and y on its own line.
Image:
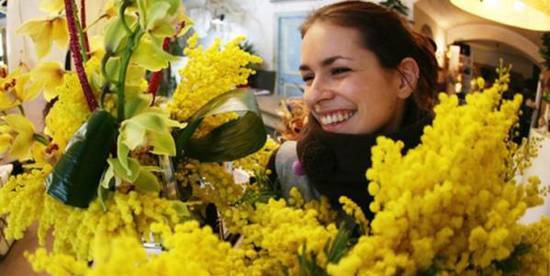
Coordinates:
15	263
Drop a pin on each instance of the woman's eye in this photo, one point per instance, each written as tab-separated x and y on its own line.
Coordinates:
339	70
307	78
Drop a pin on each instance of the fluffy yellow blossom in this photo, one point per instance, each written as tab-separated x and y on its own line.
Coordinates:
353	210
71	110
211	183
209	73
259	159
536	236
189	250
450	199
22	200
281	231
128	215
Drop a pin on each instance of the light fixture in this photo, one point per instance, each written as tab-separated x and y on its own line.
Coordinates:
516	13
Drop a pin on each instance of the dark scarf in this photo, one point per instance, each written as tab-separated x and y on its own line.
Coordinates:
336	164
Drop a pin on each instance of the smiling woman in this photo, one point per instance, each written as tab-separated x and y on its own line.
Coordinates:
367	74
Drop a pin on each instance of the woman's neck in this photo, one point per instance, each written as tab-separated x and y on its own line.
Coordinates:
395	122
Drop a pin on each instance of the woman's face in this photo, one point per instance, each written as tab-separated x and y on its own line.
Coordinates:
346	88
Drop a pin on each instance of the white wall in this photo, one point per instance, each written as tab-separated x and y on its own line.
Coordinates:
258	21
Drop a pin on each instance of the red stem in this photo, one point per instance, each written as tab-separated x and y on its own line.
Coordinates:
77	57
156	77
83	24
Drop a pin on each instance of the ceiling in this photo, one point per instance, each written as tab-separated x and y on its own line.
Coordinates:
447	15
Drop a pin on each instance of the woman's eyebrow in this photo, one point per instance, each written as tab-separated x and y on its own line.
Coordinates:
326	62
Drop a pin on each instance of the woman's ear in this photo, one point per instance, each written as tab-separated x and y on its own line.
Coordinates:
410	72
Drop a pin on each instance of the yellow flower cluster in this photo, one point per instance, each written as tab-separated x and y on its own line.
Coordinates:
191	250
211	183
209	73
22	200
353	210
448	199
537	237
259	159
71	109
280	231
128	215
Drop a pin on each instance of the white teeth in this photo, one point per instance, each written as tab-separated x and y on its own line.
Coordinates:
335	117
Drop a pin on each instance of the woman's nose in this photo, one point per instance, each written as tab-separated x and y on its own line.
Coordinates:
317	92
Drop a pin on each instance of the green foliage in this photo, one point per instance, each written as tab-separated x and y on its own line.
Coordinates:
230	141
337	248
75	178
512	263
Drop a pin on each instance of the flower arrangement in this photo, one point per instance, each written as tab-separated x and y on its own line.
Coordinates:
118	165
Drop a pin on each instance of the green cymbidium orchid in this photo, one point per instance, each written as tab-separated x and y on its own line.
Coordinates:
148	128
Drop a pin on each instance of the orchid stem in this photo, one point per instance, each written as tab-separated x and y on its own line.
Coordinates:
77	56
133	39
21	109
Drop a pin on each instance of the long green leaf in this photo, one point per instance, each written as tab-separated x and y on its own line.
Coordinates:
75	178
232	140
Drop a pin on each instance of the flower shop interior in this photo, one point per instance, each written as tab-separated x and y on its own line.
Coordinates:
471	39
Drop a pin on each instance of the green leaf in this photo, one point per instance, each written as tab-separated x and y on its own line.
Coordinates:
151	56
75	178
337	248
147	181
230	141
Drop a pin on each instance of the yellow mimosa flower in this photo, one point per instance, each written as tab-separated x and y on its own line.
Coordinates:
45	31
